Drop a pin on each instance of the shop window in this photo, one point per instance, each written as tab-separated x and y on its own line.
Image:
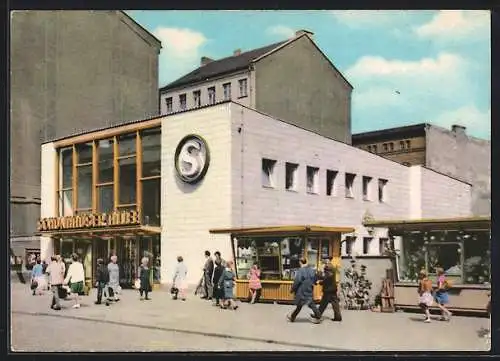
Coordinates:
84	195
268	166
312	174
366	188
126	144
151	200
349	185
66	155
292	250
268	256
156	258
127	180
331	176
246	255
291	175
84	153
447	256
477	258
366	244
382	190
412	257
105	199
105	163
313	246
151	152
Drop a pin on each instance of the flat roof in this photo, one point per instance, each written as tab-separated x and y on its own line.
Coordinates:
283	230
483	222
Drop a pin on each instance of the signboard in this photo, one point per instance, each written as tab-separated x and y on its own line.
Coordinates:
192	158
89	220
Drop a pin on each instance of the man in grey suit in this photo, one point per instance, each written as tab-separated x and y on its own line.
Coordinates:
208	270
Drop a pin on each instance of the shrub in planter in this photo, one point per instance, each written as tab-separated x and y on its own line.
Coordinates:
356	288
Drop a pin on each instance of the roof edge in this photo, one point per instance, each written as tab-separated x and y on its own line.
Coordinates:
153	40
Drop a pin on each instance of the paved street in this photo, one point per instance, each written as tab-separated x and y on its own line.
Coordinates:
166	325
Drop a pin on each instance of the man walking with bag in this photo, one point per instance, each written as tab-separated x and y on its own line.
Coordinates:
328	283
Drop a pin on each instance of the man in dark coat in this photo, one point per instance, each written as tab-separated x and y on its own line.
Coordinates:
208	270
303	288
101	280
328	283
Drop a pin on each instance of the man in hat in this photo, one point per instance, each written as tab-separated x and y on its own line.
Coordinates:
328	283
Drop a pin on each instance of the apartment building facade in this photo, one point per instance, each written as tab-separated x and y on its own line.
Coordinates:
291	80
452	152
71	71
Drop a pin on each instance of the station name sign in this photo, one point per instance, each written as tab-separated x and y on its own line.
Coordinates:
89	220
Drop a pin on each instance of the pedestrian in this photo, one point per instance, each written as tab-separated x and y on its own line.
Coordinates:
328	283
226	283
37	279
56	278
254	285
219	258
113	286
441	295
144	277
208	270
303	284
102	279
179	281
75	278
218	290
425	298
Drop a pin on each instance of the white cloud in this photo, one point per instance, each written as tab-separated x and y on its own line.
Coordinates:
478	122
456	24
364	18
180	51
281	31
393	92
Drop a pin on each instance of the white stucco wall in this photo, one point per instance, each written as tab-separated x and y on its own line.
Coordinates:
48	196
190	211
444	197
219	92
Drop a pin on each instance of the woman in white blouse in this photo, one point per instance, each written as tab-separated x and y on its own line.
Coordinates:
76	276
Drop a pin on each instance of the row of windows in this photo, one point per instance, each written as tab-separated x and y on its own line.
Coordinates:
389	147
211	95
105	175
313	181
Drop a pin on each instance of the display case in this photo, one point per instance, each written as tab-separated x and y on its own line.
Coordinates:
277	251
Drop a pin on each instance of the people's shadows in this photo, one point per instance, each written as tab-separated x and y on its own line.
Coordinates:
483	332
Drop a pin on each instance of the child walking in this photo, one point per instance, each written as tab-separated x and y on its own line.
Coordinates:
425	299
441	296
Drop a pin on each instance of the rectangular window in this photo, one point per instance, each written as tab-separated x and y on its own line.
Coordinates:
366	244
66	156
402	144
128	181
386	148
151	152
312	174
84	153
243	87
197	98
369	148
408	144
268	166
84	195
170	105
391	146
151	198
331	175
349	185
291	175
105	199
383	245
366	188
105	161
382	185
227	91
211	95
182	101
374	148
66	203
126	145
349	243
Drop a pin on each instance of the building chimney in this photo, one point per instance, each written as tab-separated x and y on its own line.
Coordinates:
237	52
303	31
458	129
205	60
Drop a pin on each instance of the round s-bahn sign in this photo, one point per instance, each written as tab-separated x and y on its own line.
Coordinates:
192	158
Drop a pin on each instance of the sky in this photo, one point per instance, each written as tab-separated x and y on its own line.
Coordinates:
406	67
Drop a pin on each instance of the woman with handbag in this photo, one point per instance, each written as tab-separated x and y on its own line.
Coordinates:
144	278
37	278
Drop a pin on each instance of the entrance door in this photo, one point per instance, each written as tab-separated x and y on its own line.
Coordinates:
126	250
100	250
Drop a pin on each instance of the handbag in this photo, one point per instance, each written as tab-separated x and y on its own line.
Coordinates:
137	284
34	284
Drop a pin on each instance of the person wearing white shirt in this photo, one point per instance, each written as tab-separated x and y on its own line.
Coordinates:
76	276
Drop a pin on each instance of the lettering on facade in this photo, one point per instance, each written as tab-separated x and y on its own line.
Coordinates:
192	158
89	220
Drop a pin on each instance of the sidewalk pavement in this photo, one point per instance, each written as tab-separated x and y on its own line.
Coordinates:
359	330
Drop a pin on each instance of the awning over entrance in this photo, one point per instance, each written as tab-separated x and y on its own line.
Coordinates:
125	231
464	223
283	230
